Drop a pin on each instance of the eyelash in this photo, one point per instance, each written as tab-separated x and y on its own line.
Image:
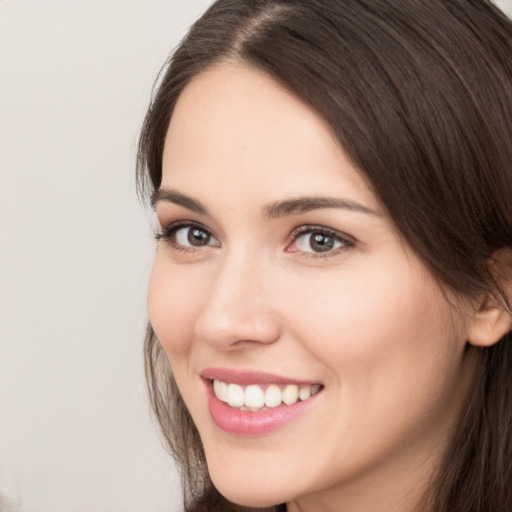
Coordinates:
346	241
168	235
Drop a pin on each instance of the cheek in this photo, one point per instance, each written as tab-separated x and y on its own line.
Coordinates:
388	326
174	299
393	359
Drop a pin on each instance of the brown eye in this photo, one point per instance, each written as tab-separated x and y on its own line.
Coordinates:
319	241
197	237
194	236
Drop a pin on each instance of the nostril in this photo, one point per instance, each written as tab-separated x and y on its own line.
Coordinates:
236	329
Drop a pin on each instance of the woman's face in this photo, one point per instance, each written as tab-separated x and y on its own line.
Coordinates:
279	275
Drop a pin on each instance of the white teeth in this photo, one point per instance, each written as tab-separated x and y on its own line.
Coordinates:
235	395
290	394
255	398
221	390
273	396
304	392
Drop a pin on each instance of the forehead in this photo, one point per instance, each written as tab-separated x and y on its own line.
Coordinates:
235	127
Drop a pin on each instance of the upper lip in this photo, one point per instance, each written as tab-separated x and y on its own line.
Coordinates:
248	377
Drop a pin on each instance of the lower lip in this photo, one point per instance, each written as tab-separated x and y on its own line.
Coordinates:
247	423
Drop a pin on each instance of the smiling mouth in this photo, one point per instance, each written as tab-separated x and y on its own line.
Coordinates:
256	397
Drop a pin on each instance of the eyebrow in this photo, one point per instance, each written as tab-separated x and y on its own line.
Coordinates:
172	196
306	204
294	206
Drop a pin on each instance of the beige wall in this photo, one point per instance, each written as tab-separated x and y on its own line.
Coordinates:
75	252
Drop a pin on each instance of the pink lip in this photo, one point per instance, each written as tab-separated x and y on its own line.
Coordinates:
246	378
246	423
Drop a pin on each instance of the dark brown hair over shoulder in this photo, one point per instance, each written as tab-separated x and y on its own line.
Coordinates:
419	95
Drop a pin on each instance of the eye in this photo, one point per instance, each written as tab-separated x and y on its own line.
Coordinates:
318	240
187	236
193	236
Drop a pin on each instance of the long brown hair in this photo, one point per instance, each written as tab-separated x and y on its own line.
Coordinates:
419	95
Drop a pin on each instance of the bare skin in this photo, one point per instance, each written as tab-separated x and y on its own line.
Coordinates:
326	292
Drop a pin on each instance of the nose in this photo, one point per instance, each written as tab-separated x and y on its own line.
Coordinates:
240	308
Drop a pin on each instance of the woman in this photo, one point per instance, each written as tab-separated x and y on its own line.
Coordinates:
331	288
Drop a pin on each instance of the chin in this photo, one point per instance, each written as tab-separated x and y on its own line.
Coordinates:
249	497
247	490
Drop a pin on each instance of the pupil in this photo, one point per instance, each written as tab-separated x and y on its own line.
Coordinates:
197	237
321	243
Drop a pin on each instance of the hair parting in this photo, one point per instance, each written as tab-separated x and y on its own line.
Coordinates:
419	95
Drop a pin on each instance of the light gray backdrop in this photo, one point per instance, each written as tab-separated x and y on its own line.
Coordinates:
75	253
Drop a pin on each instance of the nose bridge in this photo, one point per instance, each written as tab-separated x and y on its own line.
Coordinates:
240	306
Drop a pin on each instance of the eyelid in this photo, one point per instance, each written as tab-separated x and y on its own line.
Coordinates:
166	232
347	240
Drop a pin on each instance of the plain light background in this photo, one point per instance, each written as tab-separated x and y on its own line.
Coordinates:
505	6
75	253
